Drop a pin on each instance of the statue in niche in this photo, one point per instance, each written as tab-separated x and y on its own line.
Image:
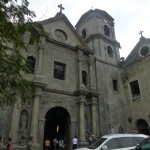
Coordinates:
23	127
23	120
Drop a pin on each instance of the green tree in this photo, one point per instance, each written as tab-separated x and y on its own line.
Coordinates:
15	22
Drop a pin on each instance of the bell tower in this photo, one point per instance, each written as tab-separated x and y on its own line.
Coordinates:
96	27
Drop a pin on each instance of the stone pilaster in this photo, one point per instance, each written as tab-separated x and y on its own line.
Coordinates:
41	132
39	75
91	73
93	111
15	118
40	59
73	129
81	119
80	57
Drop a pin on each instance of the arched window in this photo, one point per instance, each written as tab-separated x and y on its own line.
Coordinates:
84	33
106	30
84	78
109	51
31	63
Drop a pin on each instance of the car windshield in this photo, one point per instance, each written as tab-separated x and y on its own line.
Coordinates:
97	143
145	141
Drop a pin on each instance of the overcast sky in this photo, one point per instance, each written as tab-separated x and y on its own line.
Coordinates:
130	16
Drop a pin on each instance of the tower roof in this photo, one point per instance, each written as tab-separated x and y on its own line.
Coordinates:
101	12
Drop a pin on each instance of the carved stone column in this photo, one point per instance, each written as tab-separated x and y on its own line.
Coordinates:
15	118
80	55
41	132
81	119
92	73
40	59
35	116
93	111
39	75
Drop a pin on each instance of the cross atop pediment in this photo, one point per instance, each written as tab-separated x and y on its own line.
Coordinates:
61	8
141	33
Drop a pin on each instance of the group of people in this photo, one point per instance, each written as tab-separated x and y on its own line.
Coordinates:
58	144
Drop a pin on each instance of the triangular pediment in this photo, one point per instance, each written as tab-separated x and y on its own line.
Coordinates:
139	52
60	29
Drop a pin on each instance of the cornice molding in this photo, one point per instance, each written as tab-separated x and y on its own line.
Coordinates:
102	61
101	36
76	48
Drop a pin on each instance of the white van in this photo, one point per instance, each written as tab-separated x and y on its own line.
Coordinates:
116	142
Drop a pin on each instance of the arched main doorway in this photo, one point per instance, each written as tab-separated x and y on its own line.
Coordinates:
142	126
57	125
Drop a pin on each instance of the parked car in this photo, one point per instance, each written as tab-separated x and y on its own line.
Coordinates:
116	142
144	145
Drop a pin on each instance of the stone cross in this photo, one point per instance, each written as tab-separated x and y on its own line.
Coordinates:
61	8
141	33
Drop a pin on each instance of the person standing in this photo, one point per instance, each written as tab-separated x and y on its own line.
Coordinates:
55	143
74	142
9	144
47	144
90	140
61	142
93	139
29	145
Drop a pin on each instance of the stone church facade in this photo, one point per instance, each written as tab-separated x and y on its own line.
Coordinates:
82	85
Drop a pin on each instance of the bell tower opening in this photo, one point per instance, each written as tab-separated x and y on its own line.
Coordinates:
57	125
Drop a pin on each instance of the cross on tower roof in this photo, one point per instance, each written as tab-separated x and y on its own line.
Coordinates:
141	33
61	8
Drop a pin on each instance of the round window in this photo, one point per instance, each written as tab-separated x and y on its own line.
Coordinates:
61	35
144	51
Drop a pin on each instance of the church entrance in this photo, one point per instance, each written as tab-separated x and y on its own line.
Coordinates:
57	125
142	126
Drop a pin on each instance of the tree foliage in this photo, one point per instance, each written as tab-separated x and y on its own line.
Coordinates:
15	22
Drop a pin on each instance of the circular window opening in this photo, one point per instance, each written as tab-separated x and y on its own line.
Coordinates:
144	51
61	35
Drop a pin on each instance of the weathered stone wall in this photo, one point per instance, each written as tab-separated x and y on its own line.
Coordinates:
140	106
112	103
